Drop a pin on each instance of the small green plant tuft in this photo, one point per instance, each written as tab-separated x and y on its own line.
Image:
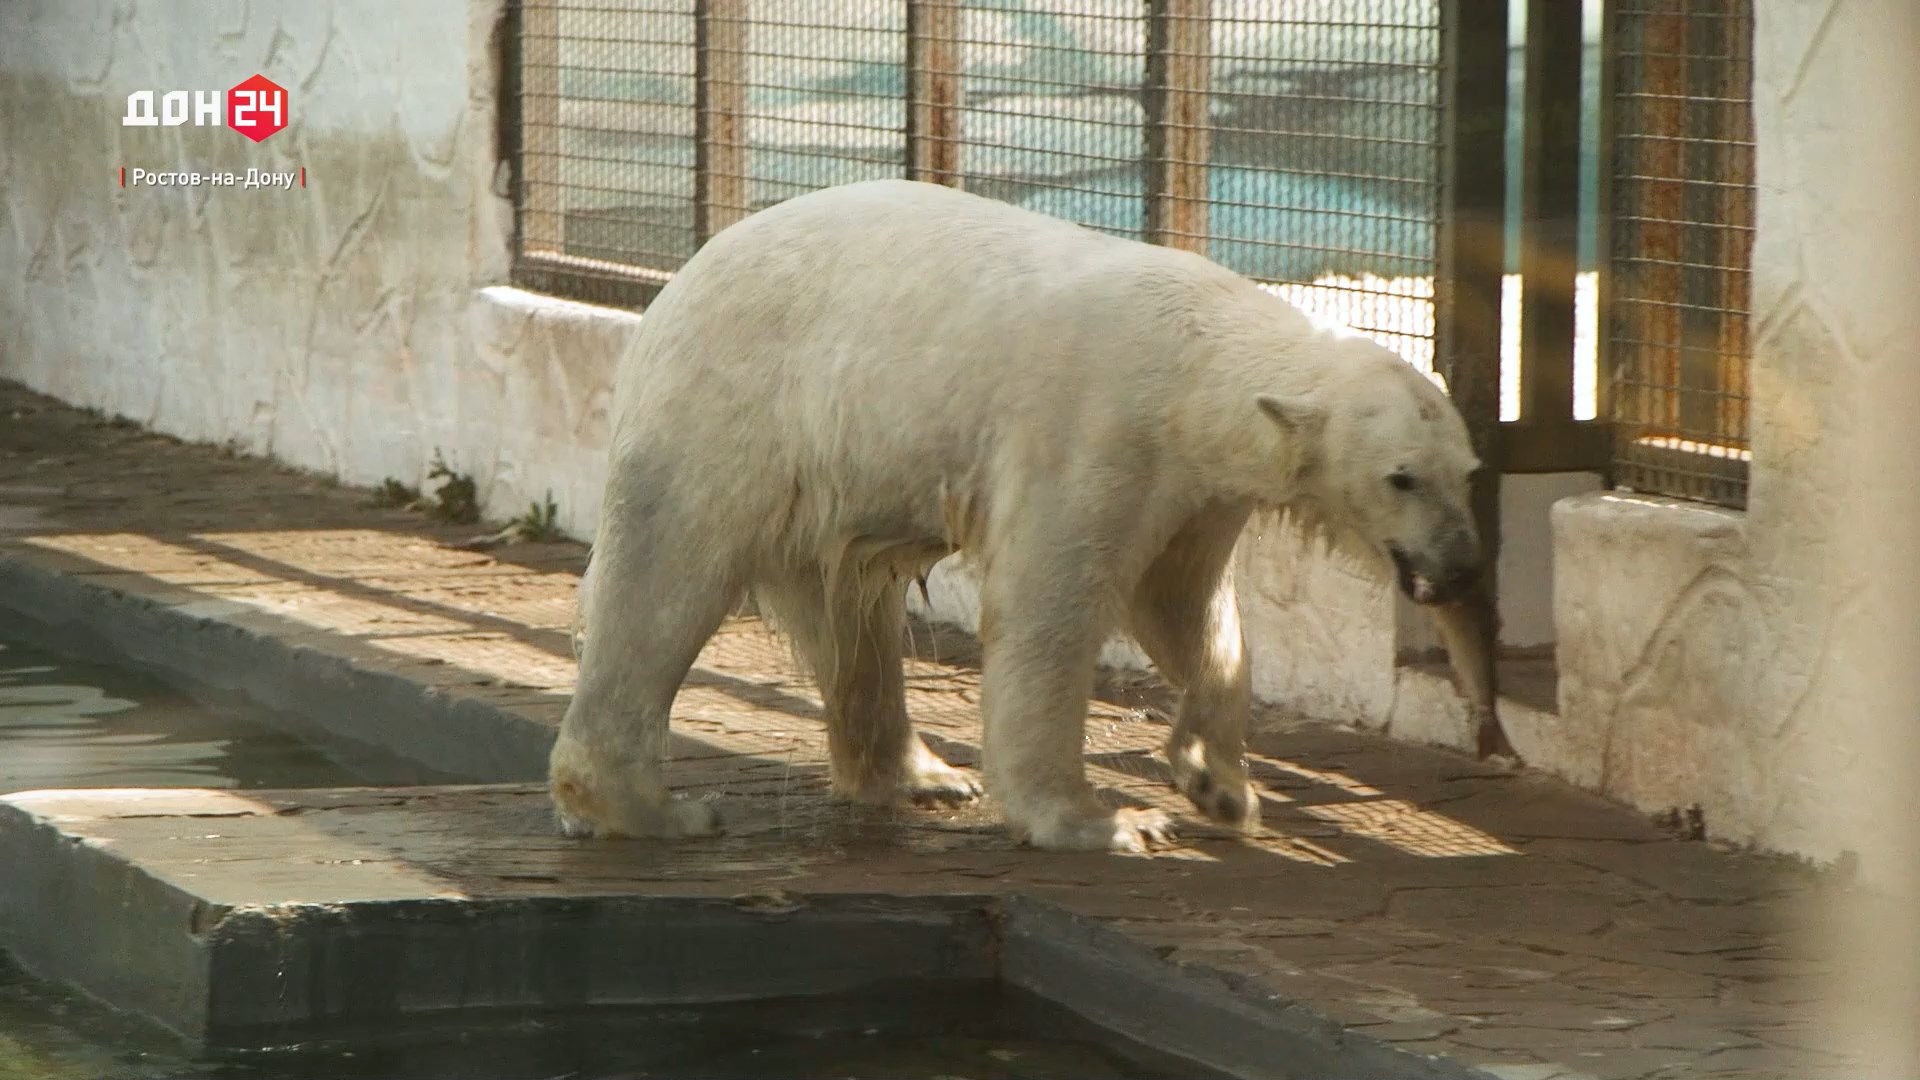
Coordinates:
393	493
456	499
541	522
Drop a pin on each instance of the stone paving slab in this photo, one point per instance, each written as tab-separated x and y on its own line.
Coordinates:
1503	921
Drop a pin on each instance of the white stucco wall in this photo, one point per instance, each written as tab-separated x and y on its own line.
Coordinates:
326	326
1763	664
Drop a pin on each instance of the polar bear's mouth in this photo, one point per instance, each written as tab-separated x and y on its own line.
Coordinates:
1419	588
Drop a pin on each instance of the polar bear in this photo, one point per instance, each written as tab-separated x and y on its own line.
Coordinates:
843	389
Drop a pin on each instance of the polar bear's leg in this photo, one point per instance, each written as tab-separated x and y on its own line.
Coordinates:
650	605
1041	629
852	647
1186	617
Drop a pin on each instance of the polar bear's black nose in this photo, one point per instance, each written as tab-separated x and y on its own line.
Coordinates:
1460	564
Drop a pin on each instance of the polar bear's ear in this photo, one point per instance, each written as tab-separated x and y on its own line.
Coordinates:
1298	418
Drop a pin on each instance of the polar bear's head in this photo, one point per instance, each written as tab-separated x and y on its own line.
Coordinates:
1389	467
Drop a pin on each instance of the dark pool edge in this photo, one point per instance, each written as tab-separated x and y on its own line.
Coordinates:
1191	1010
295	972
84	916
1095	970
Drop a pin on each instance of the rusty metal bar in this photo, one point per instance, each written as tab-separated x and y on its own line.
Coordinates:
1549	210
542	218
1662	202
1678	206
1710	133
1472	246
720	104
1178	129
1556	446
1606	191
1470	261
933	91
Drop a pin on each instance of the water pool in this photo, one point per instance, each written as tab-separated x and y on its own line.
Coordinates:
973	1031
67	723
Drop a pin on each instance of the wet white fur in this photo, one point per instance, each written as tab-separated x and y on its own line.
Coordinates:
840	390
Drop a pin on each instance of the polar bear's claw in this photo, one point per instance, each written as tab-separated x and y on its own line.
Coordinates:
937	783
571	827
1134	831
960	791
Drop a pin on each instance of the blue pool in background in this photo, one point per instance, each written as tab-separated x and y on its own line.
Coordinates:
1317	168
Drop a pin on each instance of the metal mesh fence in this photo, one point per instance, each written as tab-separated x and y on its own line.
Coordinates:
804	96
1295	141
603	95
1052	114
645	126
1325	158
1680	243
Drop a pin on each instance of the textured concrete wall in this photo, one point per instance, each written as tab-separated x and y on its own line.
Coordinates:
327	326
1761	664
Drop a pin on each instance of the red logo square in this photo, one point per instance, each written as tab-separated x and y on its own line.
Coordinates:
257	108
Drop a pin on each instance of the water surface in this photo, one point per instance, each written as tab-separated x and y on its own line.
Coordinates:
68	723
972	1032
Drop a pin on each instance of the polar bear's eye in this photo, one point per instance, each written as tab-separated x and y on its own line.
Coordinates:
1401	481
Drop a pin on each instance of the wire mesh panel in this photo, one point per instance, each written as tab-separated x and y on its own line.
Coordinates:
1295	141
1680	244
823	99
1051	113
1324	168
645	126
605	108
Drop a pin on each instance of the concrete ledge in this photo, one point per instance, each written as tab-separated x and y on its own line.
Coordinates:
284	974
1659	658
383	943
273	953
83	914
542	373
1187	1009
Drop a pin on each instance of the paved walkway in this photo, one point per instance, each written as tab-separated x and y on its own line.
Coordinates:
1502	920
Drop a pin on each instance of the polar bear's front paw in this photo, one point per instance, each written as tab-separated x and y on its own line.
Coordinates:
1236	804
675	818
1116	830
581	815
1219	789
596	797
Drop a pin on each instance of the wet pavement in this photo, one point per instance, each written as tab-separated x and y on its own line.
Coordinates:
1504	921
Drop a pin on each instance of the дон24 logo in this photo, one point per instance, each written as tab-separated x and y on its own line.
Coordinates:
255	108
